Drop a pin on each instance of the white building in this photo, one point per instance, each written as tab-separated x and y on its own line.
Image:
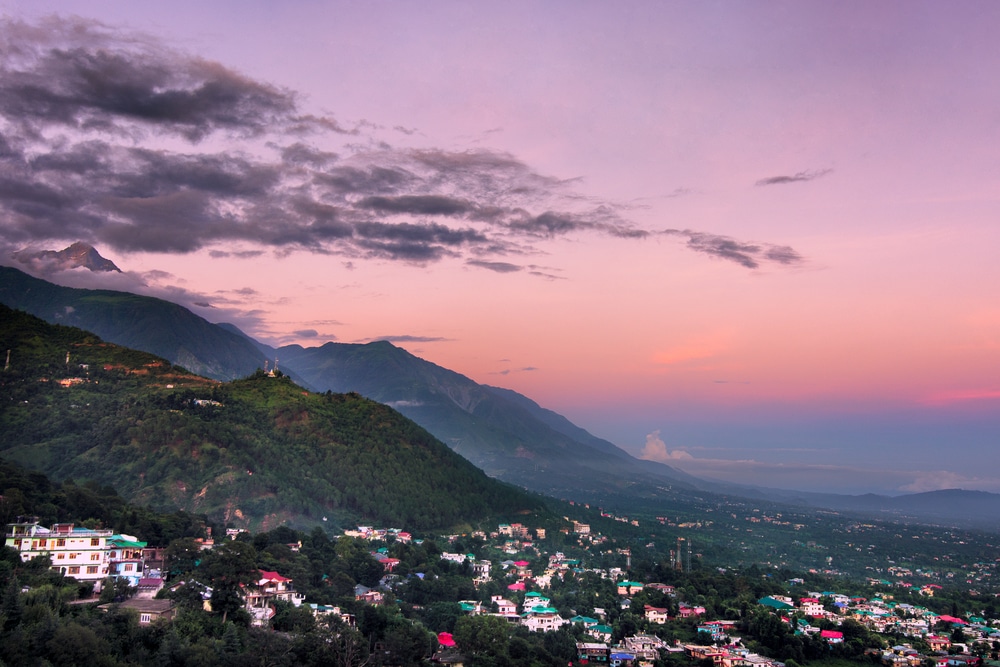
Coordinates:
82	553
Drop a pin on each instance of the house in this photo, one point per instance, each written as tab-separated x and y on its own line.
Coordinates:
666	589
832	636
592	652
271	586
629	587
585	621
367	595
388	564
644	647
937	643
148	587
504	606
655	614
534	600
543	619
776	602
470	607
705	653
322	610
685	611
149	611
811	607
125	558
714	631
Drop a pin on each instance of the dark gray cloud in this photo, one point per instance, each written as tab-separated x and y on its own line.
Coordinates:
801	177
118	140
416	205
745	254
499	267
242	254
83	75
406	338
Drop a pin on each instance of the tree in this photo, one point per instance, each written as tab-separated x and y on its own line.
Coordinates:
482	635
227	569
182	555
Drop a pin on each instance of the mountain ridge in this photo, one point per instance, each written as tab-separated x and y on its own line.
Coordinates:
552	456
254	452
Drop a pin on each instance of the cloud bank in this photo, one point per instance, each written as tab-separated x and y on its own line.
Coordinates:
116	139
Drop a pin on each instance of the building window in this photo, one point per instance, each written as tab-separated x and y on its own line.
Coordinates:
144	618
60	542
128	567
95	556
60	556
75	569
95	541
91	569
114	554
41	543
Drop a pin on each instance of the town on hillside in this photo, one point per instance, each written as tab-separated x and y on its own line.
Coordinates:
511	595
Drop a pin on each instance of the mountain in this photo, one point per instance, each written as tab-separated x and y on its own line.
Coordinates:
140	322
77	255
957	507
256	452
506	434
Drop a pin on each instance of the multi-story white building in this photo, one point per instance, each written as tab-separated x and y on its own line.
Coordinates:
542	619
82	553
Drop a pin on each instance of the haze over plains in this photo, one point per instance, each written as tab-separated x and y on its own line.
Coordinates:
755	242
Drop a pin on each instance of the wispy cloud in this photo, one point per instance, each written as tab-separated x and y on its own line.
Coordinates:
508	371
119	140
746	254
406	338
948	397
800	177
499	267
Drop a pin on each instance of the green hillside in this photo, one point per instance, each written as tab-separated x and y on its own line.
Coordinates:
254	452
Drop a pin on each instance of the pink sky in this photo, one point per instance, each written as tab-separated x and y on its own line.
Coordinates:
863	137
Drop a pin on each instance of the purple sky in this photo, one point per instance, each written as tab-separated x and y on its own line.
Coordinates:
755	241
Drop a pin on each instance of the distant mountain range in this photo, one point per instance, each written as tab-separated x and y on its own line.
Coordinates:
506	434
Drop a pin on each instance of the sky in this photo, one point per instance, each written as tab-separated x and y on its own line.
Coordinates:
755	241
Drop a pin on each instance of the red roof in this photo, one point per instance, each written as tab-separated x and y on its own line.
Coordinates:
272	576
519	586
831	634
445	639
951	619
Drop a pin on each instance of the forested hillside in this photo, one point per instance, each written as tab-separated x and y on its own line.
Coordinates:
141	322
260	451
